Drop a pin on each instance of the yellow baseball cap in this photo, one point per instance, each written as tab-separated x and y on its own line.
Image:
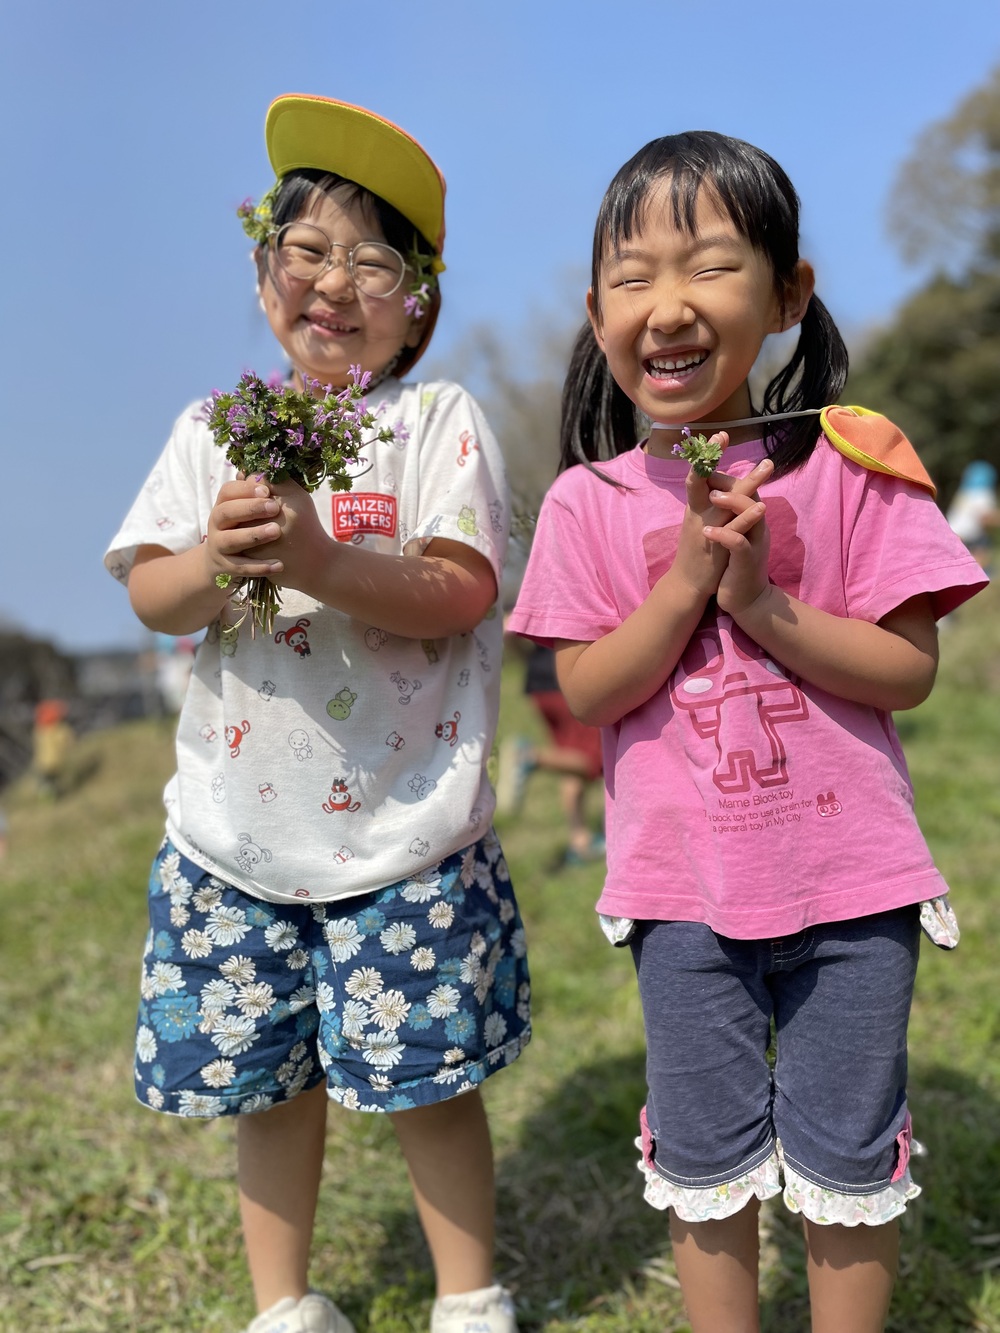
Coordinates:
306	131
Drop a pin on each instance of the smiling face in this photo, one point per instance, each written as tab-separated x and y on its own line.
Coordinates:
681	316
325	324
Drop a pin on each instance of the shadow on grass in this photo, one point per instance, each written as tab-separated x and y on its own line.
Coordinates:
576	1240
572	1225
949	1243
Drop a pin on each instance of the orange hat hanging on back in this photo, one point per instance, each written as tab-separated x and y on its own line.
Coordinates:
875	443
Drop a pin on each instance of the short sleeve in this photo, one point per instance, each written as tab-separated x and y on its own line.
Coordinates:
173	507
566	591
900	545
462	483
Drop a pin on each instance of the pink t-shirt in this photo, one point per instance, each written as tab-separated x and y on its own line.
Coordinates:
739	794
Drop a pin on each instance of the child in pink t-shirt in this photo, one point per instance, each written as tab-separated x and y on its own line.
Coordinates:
743	639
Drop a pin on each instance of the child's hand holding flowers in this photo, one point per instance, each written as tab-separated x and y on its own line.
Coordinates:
282	434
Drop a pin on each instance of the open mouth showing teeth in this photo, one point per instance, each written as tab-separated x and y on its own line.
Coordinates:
665	365
333	325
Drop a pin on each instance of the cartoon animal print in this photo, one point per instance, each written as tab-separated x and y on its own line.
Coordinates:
229	638
463	676
375	638
267	792
496	509
299	741
421	786
467	521
345	854
208	733
394	740
219	788
448	731
467	446
164	523
341	704
295	636
827	804
741	712
420	847
235	737
340	799
407	688
267	689
430	650
483	653
250	855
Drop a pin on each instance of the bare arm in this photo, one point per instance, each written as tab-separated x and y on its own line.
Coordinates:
176	593
890	665
446	590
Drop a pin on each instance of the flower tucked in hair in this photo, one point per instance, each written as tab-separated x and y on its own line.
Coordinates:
425	269
257	218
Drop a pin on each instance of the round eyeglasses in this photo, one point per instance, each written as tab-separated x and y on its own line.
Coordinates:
304	251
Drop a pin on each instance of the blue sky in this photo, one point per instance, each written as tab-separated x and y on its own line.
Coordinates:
131	131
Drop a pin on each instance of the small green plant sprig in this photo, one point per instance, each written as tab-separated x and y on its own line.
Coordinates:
702	453
279	433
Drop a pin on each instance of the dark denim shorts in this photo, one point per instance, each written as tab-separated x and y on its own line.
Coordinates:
838	996
398	998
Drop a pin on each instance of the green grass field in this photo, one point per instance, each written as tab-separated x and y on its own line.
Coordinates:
114	1218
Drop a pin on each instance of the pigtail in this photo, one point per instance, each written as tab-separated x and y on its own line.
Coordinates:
814	377
598	420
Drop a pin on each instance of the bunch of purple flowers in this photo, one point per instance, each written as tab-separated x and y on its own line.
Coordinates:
279	433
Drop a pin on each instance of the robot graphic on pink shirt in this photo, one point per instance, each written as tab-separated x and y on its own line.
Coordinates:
742	715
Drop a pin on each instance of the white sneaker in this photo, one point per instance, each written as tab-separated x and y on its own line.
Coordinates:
489	1310
312	1314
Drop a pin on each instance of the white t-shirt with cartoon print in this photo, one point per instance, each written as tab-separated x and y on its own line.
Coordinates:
329	758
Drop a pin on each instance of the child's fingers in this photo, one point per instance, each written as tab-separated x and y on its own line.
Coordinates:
735	502
733	535
246	511
748	485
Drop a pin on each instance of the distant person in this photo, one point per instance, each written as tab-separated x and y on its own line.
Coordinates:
743	638
174	664
331	895
573	752
52	743
973	513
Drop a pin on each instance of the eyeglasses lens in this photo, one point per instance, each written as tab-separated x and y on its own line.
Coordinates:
304	252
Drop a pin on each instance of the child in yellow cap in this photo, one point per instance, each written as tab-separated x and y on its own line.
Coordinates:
331	915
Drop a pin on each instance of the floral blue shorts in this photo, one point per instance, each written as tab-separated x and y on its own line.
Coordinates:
398	998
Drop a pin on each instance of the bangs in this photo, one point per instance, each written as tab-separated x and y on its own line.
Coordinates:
747	184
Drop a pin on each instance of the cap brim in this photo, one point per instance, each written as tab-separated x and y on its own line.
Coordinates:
306	131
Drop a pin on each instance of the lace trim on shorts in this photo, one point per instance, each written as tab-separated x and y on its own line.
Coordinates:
815	1202
719	1201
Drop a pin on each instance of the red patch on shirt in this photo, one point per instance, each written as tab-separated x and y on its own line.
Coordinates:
361	513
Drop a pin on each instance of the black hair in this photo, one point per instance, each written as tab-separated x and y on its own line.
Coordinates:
297	191
599	421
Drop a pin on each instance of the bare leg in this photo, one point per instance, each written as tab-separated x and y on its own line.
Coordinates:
717	1267
450	1159
280	1154
572	791
852	1271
